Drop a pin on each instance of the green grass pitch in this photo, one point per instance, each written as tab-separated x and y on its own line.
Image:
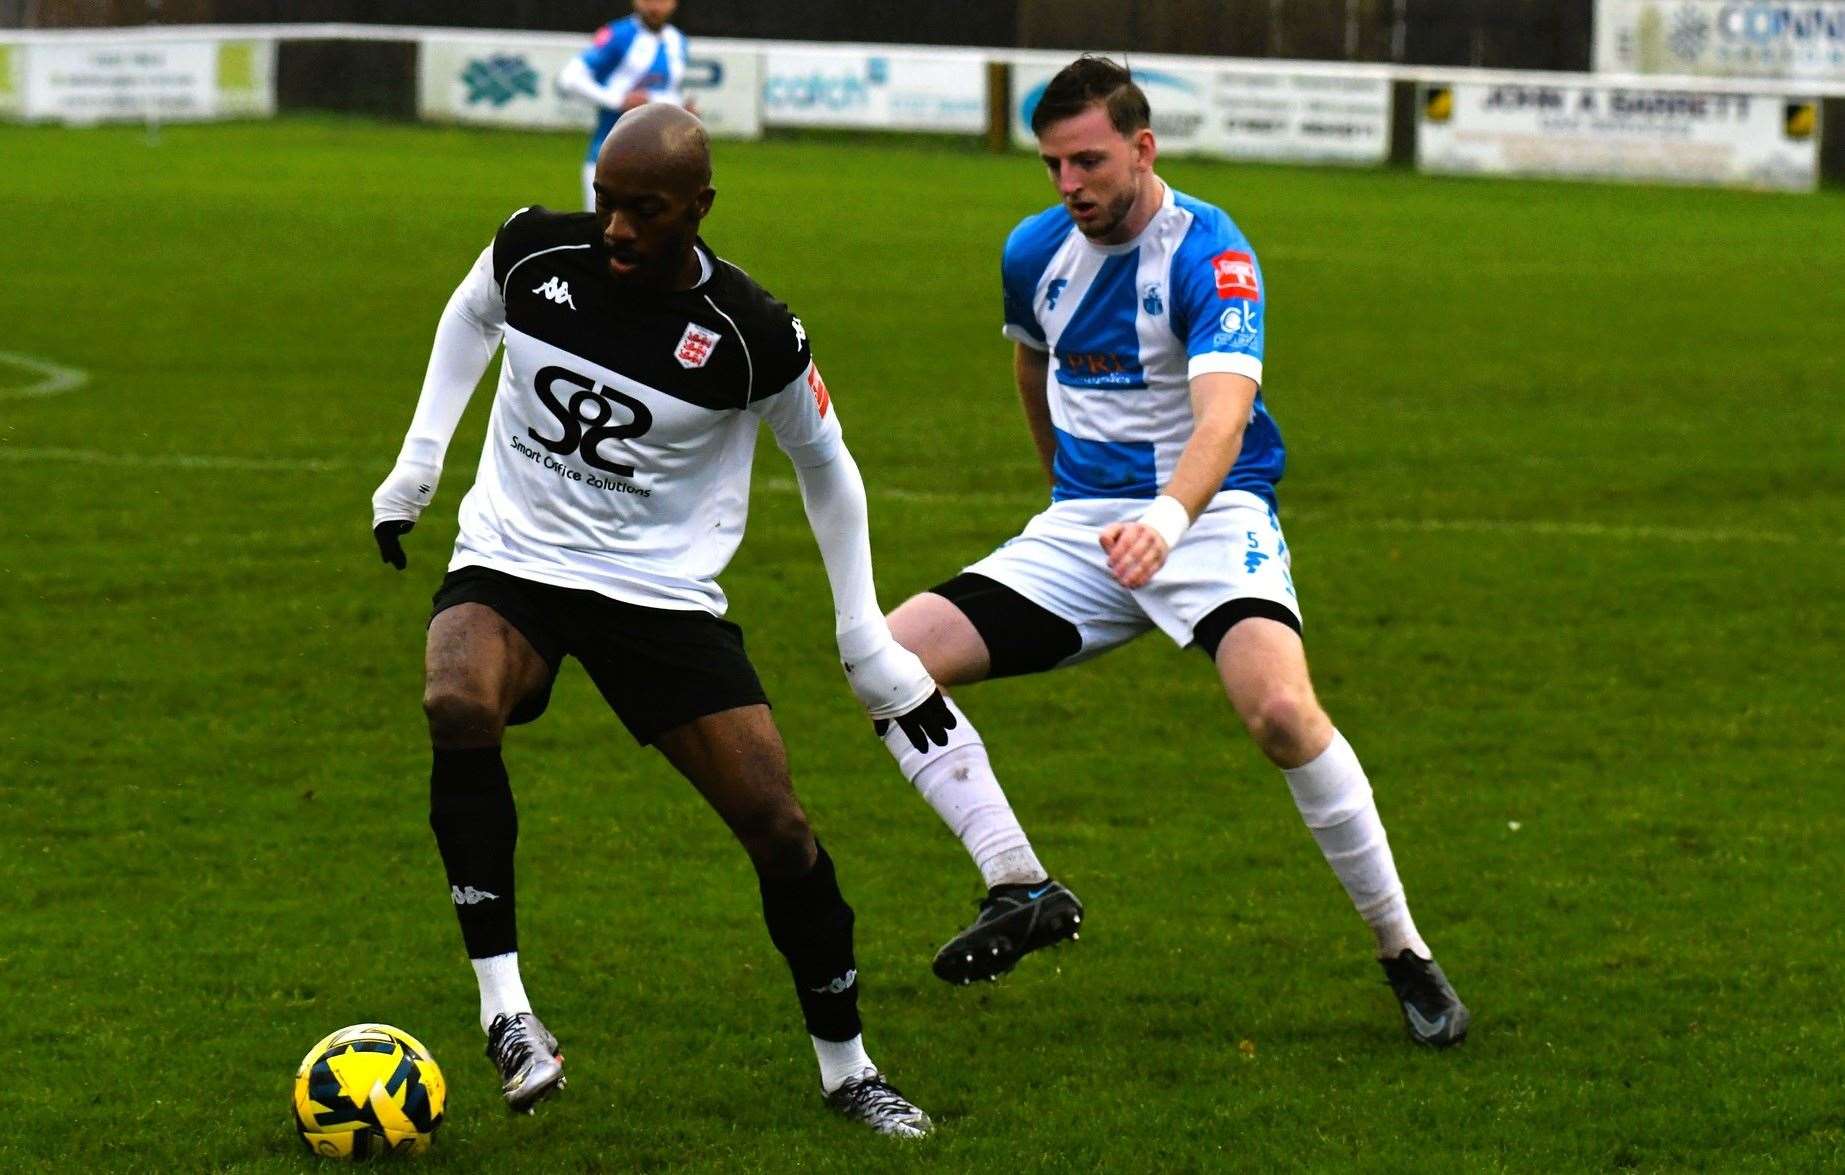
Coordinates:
1565	494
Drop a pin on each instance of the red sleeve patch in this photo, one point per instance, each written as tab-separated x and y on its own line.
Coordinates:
1235	274
817	386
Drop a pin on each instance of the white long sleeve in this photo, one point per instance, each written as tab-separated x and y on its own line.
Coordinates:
887	678
466	337
575	78
833	494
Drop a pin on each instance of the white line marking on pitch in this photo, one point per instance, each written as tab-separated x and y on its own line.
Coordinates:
784	485
54	379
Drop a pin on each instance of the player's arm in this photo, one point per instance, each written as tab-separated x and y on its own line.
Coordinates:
1019	271
467	335
575	78
1221	403
888	679
617	88
1031	367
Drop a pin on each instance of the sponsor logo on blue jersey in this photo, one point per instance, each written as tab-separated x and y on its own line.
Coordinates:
1091	368
1238	324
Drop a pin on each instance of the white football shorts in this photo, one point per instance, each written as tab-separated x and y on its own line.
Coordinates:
1235	550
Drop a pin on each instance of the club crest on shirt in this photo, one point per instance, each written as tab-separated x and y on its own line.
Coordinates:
695	346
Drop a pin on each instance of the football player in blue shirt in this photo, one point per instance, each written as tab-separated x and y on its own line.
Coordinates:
1137	315
633	61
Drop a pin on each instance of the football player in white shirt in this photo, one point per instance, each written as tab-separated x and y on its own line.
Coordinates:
1138	315
612	490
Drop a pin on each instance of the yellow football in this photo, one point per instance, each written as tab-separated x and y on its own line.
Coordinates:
368	1089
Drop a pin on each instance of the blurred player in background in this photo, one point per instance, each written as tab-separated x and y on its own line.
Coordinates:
633	61
612	491
1137	315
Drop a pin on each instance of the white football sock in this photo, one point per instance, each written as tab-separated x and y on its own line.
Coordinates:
1335	800
501	993
959	784
841	1060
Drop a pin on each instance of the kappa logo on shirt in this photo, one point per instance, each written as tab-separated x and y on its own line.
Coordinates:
1236	275
695	346
557	291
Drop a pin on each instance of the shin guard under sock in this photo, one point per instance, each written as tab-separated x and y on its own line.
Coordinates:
477	828
811	926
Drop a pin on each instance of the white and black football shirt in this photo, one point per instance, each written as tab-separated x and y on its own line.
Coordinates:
618	453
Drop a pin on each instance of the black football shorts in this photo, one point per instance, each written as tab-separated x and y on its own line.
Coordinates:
658	668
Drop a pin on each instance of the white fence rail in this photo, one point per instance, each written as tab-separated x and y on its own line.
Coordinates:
1749	131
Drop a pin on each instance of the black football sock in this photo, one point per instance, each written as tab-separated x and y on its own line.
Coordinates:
811	926
476	825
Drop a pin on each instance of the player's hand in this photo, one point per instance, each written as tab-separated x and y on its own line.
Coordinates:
889	681
1135	552
927	723
390	549
396	505
635	98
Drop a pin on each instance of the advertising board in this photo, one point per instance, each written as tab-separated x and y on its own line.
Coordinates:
1266	114
1588	131
874	89
1722	38
104	80
512	83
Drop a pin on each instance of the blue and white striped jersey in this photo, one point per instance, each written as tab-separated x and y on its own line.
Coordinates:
627	55
1127	326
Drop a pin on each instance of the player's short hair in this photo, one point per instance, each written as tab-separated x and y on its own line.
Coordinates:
1085	82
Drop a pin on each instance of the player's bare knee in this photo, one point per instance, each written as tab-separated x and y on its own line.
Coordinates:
777	837
1283	722
460	716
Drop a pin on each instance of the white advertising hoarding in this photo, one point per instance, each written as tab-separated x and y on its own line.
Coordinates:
12	79
1243	113
98	81
1614	133
513	84
874	89
1722	38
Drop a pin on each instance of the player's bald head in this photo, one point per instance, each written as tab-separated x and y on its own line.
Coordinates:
658	146
653	190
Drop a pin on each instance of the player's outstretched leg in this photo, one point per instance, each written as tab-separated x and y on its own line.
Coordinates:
1264	670
475	663
737	761
1025	909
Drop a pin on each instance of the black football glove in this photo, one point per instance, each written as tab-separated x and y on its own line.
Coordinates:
389	549
927	723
